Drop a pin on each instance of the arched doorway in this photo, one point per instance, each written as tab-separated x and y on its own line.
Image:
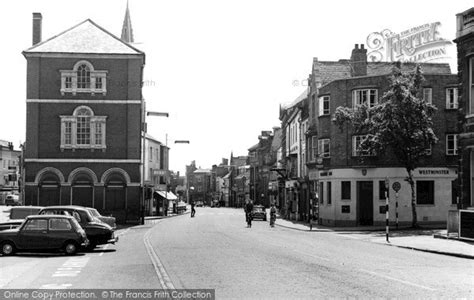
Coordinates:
82	190
115	192
49	189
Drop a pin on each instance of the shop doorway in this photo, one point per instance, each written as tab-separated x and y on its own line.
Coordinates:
365	203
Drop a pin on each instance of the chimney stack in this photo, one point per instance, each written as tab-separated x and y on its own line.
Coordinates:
37	21
359	61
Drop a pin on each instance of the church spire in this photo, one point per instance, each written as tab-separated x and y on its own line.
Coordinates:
127	32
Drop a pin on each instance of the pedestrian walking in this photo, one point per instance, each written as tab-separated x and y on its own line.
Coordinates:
272	215
248	212
193	210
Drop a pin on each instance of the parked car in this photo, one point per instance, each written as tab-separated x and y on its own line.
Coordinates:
199	204
259	212
106	219
44	233
18	214
12	199
97	231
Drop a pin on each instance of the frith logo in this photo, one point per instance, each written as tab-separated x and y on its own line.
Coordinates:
418	44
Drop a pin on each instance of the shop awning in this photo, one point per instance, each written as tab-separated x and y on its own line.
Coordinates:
167	195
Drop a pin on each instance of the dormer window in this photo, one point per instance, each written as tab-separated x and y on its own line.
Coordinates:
83	78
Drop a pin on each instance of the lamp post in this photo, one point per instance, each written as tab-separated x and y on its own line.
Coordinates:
146	113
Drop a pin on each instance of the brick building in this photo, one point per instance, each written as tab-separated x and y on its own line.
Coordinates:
465	47
352	192
84	113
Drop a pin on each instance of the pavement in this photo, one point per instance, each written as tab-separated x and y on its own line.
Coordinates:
434	240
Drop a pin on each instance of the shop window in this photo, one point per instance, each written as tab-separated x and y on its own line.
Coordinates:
346	190
321	192
329	190
425	192
382	190
454	192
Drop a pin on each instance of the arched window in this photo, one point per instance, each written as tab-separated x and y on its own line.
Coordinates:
83	130
83	126
83	78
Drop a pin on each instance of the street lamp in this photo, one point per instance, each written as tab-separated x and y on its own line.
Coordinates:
146	113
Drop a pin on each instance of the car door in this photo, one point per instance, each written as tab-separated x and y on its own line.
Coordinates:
60	230
34	234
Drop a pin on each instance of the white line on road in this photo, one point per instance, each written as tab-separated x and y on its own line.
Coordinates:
163	276
399	280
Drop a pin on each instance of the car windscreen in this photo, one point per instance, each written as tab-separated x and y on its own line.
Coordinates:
94	212
258	208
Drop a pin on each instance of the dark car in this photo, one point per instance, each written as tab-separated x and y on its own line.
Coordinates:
97	231
44	233
106	219
18	214
259	212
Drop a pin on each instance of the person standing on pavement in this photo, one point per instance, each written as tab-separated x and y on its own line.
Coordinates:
272	215
248	212
193	210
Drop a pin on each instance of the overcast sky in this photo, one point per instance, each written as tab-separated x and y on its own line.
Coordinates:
219	68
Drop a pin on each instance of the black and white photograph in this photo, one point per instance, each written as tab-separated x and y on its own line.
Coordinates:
206	149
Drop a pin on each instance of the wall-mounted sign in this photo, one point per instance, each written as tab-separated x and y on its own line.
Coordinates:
396	186
433	172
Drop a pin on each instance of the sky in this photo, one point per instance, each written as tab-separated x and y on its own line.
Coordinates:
220	68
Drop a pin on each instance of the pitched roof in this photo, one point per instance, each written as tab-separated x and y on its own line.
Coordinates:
300	98
85	37
328	71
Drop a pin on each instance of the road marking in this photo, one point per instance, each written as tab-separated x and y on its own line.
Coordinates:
163	276
311	255
56	286
72	267
399	280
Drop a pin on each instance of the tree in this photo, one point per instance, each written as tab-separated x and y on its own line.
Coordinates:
401	122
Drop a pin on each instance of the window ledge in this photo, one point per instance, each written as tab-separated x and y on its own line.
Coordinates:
89	91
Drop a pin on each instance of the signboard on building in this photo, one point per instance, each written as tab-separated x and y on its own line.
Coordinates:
159	172
313	175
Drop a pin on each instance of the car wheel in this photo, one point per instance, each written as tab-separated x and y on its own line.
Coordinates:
70	248
8	248
265	219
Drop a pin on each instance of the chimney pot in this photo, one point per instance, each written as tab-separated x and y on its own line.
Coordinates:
37	24
356	46
361	46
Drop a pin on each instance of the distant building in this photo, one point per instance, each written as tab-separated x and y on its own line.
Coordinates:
9	169
84	117
465	46
157	176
